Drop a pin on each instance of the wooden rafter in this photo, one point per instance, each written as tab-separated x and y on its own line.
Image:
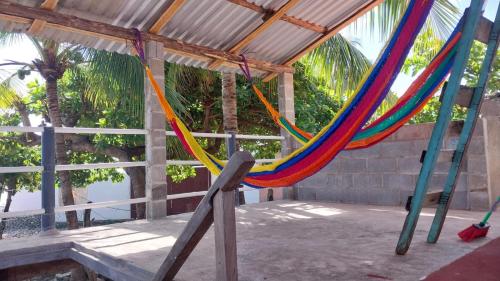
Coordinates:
331	32
293	20
37	25
166	16
262	27
20	13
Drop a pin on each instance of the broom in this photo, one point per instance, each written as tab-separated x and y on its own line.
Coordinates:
481	229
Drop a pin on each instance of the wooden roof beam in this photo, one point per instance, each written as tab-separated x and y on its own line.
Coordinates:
293	20
37	25
256	32
23	14
167	15
331	32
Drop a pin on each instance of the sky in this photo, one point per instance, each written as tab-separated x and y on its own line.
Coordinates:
370	45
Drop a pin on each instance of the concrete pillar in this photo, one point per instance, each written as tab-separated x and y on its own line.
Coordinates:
490	112
286	107
154	121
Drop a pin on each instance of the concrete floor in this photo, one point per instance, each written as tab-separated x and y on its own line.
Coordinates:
288	240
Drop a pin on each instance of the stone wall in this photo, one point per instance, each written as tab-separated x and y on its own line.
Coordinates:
385	174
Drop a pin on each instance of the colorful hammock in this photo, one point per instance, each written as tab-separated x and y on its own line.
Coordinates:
325	145
407	106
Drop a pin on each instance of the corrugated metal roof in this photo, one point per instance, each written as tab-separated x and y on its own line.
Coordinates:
217	24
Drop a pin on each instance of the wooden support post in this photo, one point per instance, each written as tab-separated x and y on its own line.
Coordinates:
439	131
286	106
467	131
156	153
203	217
225	235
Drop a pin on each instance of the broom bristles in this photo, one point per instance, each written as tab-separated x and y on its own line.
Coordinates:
474	231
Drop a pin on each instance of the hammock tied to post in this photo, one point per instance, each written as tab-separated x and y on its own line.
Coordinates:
407	106
346	128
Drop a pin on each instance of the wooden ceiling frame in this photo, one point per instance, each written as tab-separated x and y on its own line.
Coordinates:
293	20
166	16
369	5
37	25
19	13
256	32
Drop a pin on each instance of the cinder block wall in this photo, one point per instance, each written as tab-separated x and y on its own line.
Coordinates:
385	174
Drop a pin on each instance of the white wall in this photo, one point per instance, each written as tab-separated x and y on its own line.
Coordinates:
96	192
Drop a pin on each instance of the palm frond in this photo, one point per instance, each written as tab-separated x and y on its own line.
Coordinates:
339	64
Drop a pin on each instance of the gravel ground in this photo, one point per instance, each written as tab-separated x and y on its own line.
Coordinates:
29	226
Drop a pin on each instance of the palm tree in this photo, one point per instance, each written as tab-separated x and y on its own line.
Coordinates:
54	59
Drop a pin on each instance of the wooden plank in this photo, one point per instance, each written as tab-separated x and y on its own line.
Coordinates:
203	217
467	130
12	11
440	128
483	30
166	16
330	33
256	32
431	199
37	25
225	236
293	20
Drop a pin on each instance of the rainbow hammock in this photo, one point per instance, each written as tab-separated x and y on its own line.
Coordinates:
324	146
407	106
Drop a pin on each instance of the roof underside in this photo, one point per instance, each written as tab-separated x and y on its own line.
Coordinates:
217	24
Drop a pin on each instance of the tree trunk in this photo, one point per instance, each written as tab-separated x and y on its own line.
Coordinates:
229	112
138	182
11	190
61	158
229	106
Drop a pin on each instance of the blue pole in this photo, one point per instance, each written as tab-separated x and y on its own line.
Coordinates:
467	130
231	149
48	179
440	127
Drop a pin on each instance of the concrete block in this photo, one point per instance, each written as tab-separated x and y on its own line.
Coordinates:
370	152
390	197
341	181
459	200
159	191
159	156
476	165
316	181
158	173
385	165
479	201
329	194
397	149
409	165
399	181
307	194
476	146
159	138
420	145
477	182
351	165
413	132
367	181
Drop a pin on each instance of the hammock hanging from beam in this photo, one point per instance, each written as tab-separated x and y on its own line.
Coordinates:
324	146
407	106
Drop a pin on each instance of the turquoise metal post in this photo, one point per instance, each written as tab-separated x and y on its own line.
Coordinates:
440	127
467	131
